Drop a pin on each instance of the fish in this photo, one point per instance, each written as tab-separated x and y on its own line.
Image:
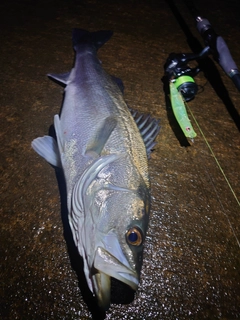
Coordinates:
103	148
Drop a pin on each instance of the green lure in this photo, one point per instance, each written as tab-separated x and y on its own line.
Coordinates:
180	112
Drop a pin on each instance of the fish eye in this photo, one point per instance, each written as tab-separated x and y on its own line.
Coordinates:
134	236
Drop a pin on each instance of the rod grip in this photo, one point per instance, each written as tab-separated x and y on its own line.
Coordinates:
220	50
226	61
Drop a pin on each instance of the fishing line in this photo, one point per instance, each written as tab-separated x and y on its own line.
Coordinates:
223	173
213	154
224	212
201	88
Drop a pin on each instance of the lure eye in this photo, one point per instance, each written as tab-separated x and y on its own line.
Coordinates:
134	236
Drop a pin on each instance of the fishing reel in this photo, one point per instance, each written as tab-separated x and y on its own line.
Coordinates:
182	86
177	69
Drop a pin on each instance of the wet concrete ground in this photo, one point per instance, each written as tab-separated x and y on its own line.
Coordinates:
191	264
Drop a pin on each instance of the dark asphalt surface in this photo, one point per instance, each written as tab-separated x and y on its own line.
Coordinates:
191	266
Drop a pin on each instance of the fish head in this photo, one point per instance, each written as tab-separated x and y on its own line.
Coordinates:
119	237
109	224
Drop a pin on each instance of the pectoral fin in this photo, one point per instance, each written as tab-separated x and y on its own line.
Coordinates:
102	135
47	148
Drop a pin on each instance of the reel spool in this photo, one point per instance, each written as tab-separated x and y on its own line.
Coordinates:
187	86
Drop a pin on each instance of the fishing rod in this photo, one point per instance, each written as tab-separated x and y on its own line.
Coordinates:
216	43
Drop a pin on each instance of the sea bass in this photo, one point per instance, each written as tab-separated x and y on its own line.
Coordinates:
102	147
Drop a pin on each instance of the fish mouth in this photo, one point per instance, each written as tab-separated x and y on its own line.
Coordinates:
124	279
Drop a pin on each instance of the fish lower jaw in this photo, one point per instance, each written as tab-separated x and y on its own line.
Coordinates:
106	267
102	289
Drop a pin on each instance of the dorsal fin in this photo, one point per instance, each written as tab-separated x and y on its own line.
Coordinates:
149	128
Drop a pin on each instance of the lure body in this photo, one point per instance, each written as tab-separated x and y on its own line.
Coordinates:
180	111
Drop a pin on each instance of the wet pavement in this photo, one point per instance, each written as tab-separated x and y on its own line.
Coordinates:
191	266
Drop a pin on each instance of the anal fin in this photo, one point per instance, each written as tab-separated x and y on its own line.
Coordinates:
59	78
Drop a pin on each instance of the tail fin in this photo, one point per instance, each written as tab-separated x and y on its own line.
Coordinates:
97	38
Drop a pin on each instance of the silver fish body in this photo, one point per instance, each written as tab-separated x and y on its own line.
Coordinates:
104	158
